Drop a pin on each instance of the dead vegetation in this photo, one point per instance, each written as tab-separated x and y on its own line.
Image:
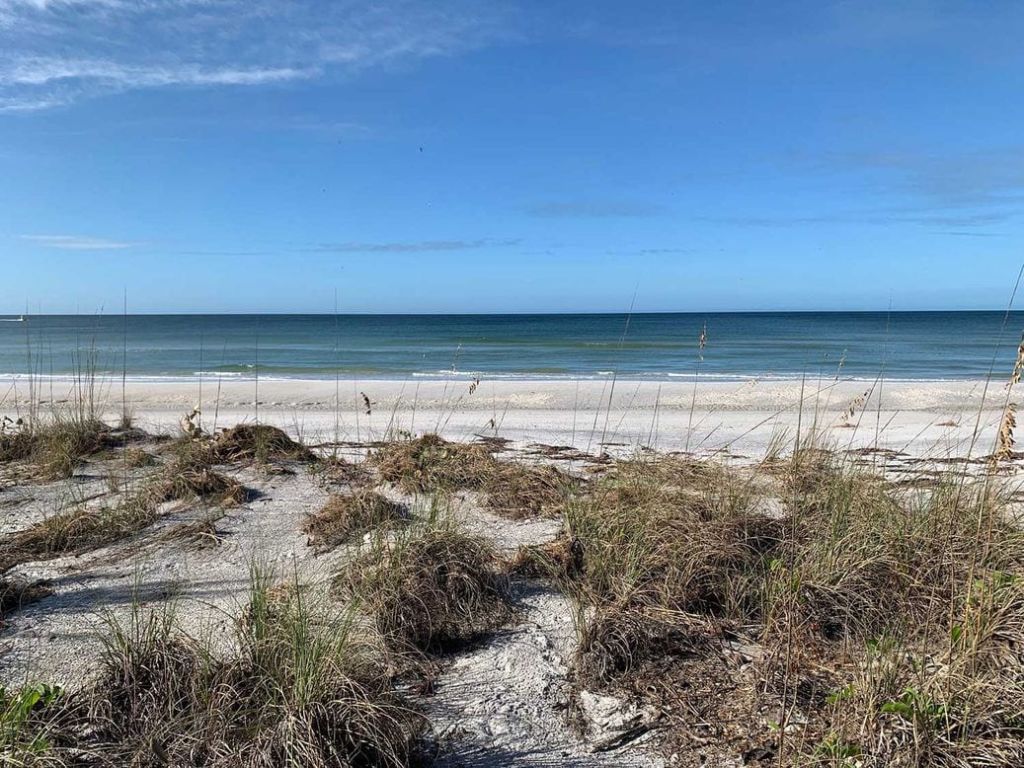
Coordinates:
80	525
335	471
347	515
184	479
430	464
18	592
258	443
56	447
804	611
429	586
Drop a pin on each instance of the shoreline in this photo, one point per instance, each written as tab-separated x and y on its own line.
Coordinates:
6	379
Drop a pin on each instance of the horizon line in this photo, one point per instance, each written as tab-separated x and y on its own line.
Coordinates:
622	313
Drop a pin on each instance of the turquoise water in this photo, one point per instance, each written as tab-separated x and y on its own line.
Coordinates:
911	345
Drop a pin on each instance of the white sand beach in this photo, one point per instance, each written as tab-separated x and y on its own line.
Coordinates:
921	418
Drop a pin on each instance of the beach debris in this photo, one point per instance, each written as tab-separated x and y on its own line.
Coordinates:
7	424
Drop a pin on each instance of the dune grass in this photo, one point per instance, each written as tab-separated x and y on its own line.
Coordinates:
57	446
302	683
259	443
347	515
430	586
875	624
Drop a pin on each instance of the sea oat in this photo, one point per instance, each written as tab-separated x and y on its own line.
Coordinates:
1004	449
190	425
855	405
1018	366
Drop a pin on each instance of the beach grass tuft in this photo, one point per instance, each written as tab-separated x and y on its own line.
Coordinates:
429	586
301	682
871	620
347	515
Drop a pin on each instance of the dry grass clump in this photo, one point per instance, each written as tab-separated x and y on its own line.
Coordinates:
76	529
183	482
886	626
257	442
348	515
137	458
58	446
558	560
16	592
337	471
431	464
429	587
189	475
81	527
617	641
302	685
519	491
16	445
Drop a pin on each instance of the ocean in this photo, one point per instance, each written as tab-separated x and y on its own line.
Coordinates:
898	345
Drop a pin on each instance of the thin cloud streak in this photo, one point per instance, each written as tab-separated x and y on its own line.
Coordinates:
79	242
594	209
423	246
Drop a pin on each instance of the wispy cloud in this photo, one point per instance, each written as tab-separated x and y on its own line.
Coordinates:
956	191
882	217
55	52
594	209
79	242
959	179
417	246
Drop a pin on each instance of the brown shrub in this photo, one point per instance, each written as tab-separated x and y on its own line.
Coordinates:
257	442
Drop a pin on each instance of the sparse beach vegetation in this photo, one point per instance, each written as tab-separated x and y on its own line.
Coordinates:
812	606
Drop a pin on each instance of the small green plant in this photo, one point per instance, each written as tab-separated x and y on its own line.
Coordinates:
838	752
24	729
916	707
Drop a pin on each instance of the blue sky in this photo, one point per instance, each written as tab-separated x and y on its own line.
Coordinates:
262	155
